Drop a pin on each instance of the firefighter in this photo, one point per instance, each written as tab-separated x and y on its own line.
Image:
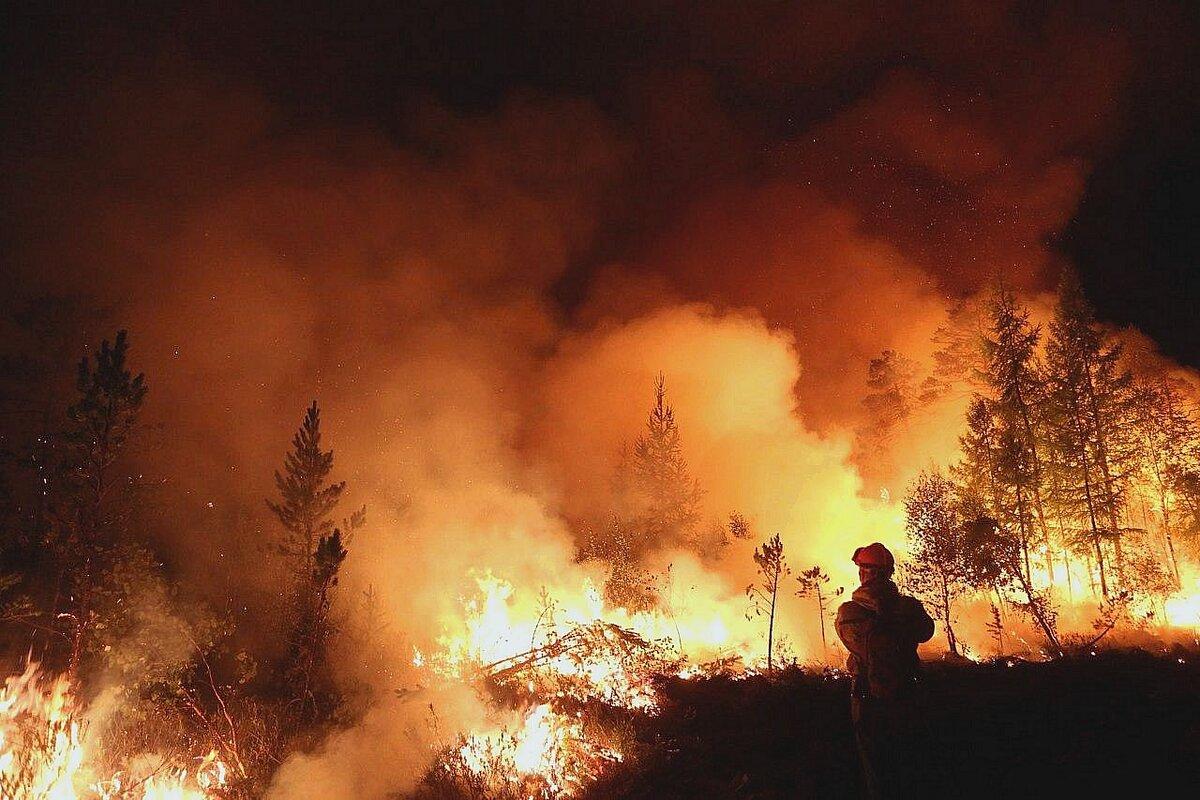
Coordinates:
881	629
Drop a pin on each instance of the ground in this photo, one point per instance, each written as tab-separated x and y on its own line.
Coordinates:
1118	722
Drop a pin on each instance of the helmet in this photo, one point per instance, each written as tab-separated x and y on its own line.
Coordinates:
874	555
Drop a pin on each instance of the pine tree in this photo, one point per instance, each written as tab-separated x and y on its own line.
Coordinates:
315	550
1018	394
938	569
86	518
657	504
1169	448
993	560
959	358
995	469
306	670
764	595
667	497
307	498
1094	450
977	471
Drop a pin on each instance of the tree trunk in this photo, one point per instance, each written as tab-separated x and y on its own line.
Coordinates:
950	639
771	627
821	617
1037	481
1102	462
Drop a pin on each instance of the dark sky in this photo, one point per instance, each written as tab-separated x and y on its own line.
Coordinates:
1133	235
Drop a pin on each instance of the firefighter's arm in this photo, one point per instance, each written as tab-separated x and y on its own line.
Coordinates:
854	624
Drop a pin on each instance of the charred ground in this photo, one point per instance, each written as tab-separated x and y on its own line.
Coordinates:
1122	720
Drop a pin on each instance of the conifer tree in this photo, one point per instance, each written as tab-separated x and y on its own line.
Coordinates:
315	550
667	497
995	470
977	471
1169	448
993	558
887	407
86	519
1094	449
657	504
306	664
1018	394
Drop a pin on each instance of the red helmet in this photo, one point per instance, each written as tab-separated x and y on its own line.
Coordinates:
874	555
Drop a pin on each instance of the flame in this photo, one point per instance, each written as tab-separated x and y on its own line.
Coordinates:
1182	608
548	756
497	624
43	752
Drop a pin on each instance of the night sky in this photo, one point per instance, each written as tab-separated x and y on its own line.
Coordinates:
1133	234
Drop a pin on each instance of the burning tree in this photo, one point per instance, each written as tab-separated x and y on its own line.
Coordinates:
938	571
888	405
1094	452
994	559
812	584
772	568
1169	449
1018	391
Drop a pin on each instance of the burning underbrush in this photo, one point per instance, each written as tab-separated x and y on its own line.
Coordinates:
578	698
570	688
571	681
47	752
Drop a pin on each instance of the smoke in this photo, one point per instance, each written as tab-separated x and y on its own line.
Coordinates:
481	299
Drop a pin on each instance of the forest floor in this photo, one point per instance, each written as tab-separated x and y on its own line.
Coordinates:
1092	726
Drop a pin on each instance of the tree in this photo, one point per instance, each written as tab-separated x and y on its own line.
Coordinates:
977	471
938	571
739	528
887	407
86	518
995	627
307	648
993	559
656	504
666	497
958	358
628	585
772	569
307	498
812	584
315	549
1018	391
1094	451
1169	448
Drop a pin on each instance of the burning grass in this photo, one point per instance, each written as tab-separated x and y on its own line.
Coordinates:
47	754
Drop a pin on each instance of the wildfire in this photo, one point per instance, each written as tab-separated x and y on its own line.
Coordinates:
1182	609
558	651
548	756
574	647
44	752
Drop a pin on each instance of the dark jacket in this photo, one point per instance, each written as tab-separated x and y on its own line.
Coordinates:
882	628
